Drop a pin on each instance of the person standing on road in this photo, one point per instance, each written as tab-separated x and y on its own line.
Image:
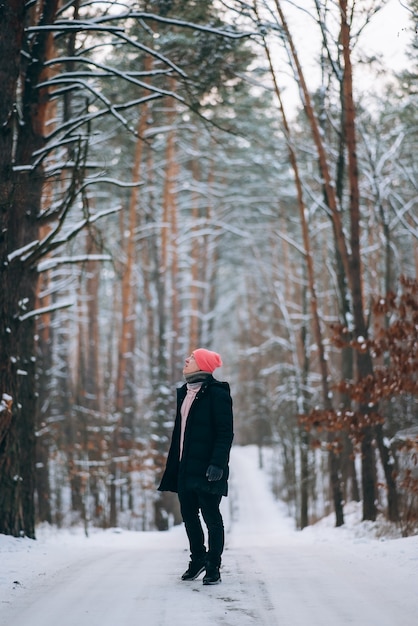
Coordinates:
197	462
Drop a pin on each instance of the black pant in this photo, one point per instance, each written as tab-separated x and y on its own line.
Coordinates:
191	502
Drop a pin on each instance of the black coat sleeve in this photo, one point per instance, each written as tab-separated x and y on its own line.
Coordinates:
222	422
169	481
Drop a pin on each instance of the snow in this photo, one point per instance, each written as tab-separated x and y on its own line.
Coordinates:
5	401
21	251
47	309
272	574
52	263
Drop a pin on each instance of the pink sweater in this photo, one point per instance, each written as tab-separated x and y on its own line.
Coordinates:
192	389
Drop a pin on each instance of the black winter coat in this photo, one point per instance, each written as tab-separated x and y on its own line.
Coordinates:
207	440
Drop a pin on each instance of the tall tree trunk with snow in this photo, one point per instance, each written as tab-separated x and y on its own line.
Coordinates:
45	346
89	380
304	435
20	204
126	347
169	241
364	363
203	256
348	467
43	439
209	261
195	258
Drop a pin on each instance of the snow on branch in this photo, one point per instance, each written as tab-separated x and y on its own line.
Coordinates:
51	242
213	227
22	252
60	137
291	242
49	264
65	304
140	15
86	222
153	53
406	209
113	71
74	25
110	181
59	80
97	24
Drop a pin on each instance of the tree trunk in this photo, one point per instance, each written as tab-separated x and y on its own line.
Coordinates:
364	361
11	35
304	435
169	240
127	334
209	265
388	468
195	259
43	439
20	205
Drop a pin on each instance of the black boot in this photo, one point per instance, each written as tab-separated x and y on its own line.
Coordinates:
194	570
212	576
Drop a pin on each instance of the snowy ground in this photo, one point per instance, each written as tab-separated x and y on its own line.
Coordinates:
272	575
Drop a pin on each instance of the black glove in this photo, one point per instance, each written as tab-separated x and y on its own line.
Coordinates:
214	473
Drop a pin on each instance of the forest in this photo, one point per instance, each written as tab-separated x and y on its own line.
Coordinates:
235	175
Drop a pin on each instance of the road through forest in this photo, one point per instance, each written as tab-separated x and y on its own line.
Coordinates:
272	575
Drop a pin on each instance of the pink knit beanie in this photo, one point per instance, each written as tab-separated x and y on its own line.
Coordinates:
206	360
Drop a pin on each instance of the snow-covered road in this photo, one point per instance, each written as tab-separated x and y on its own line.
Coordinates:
271	576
